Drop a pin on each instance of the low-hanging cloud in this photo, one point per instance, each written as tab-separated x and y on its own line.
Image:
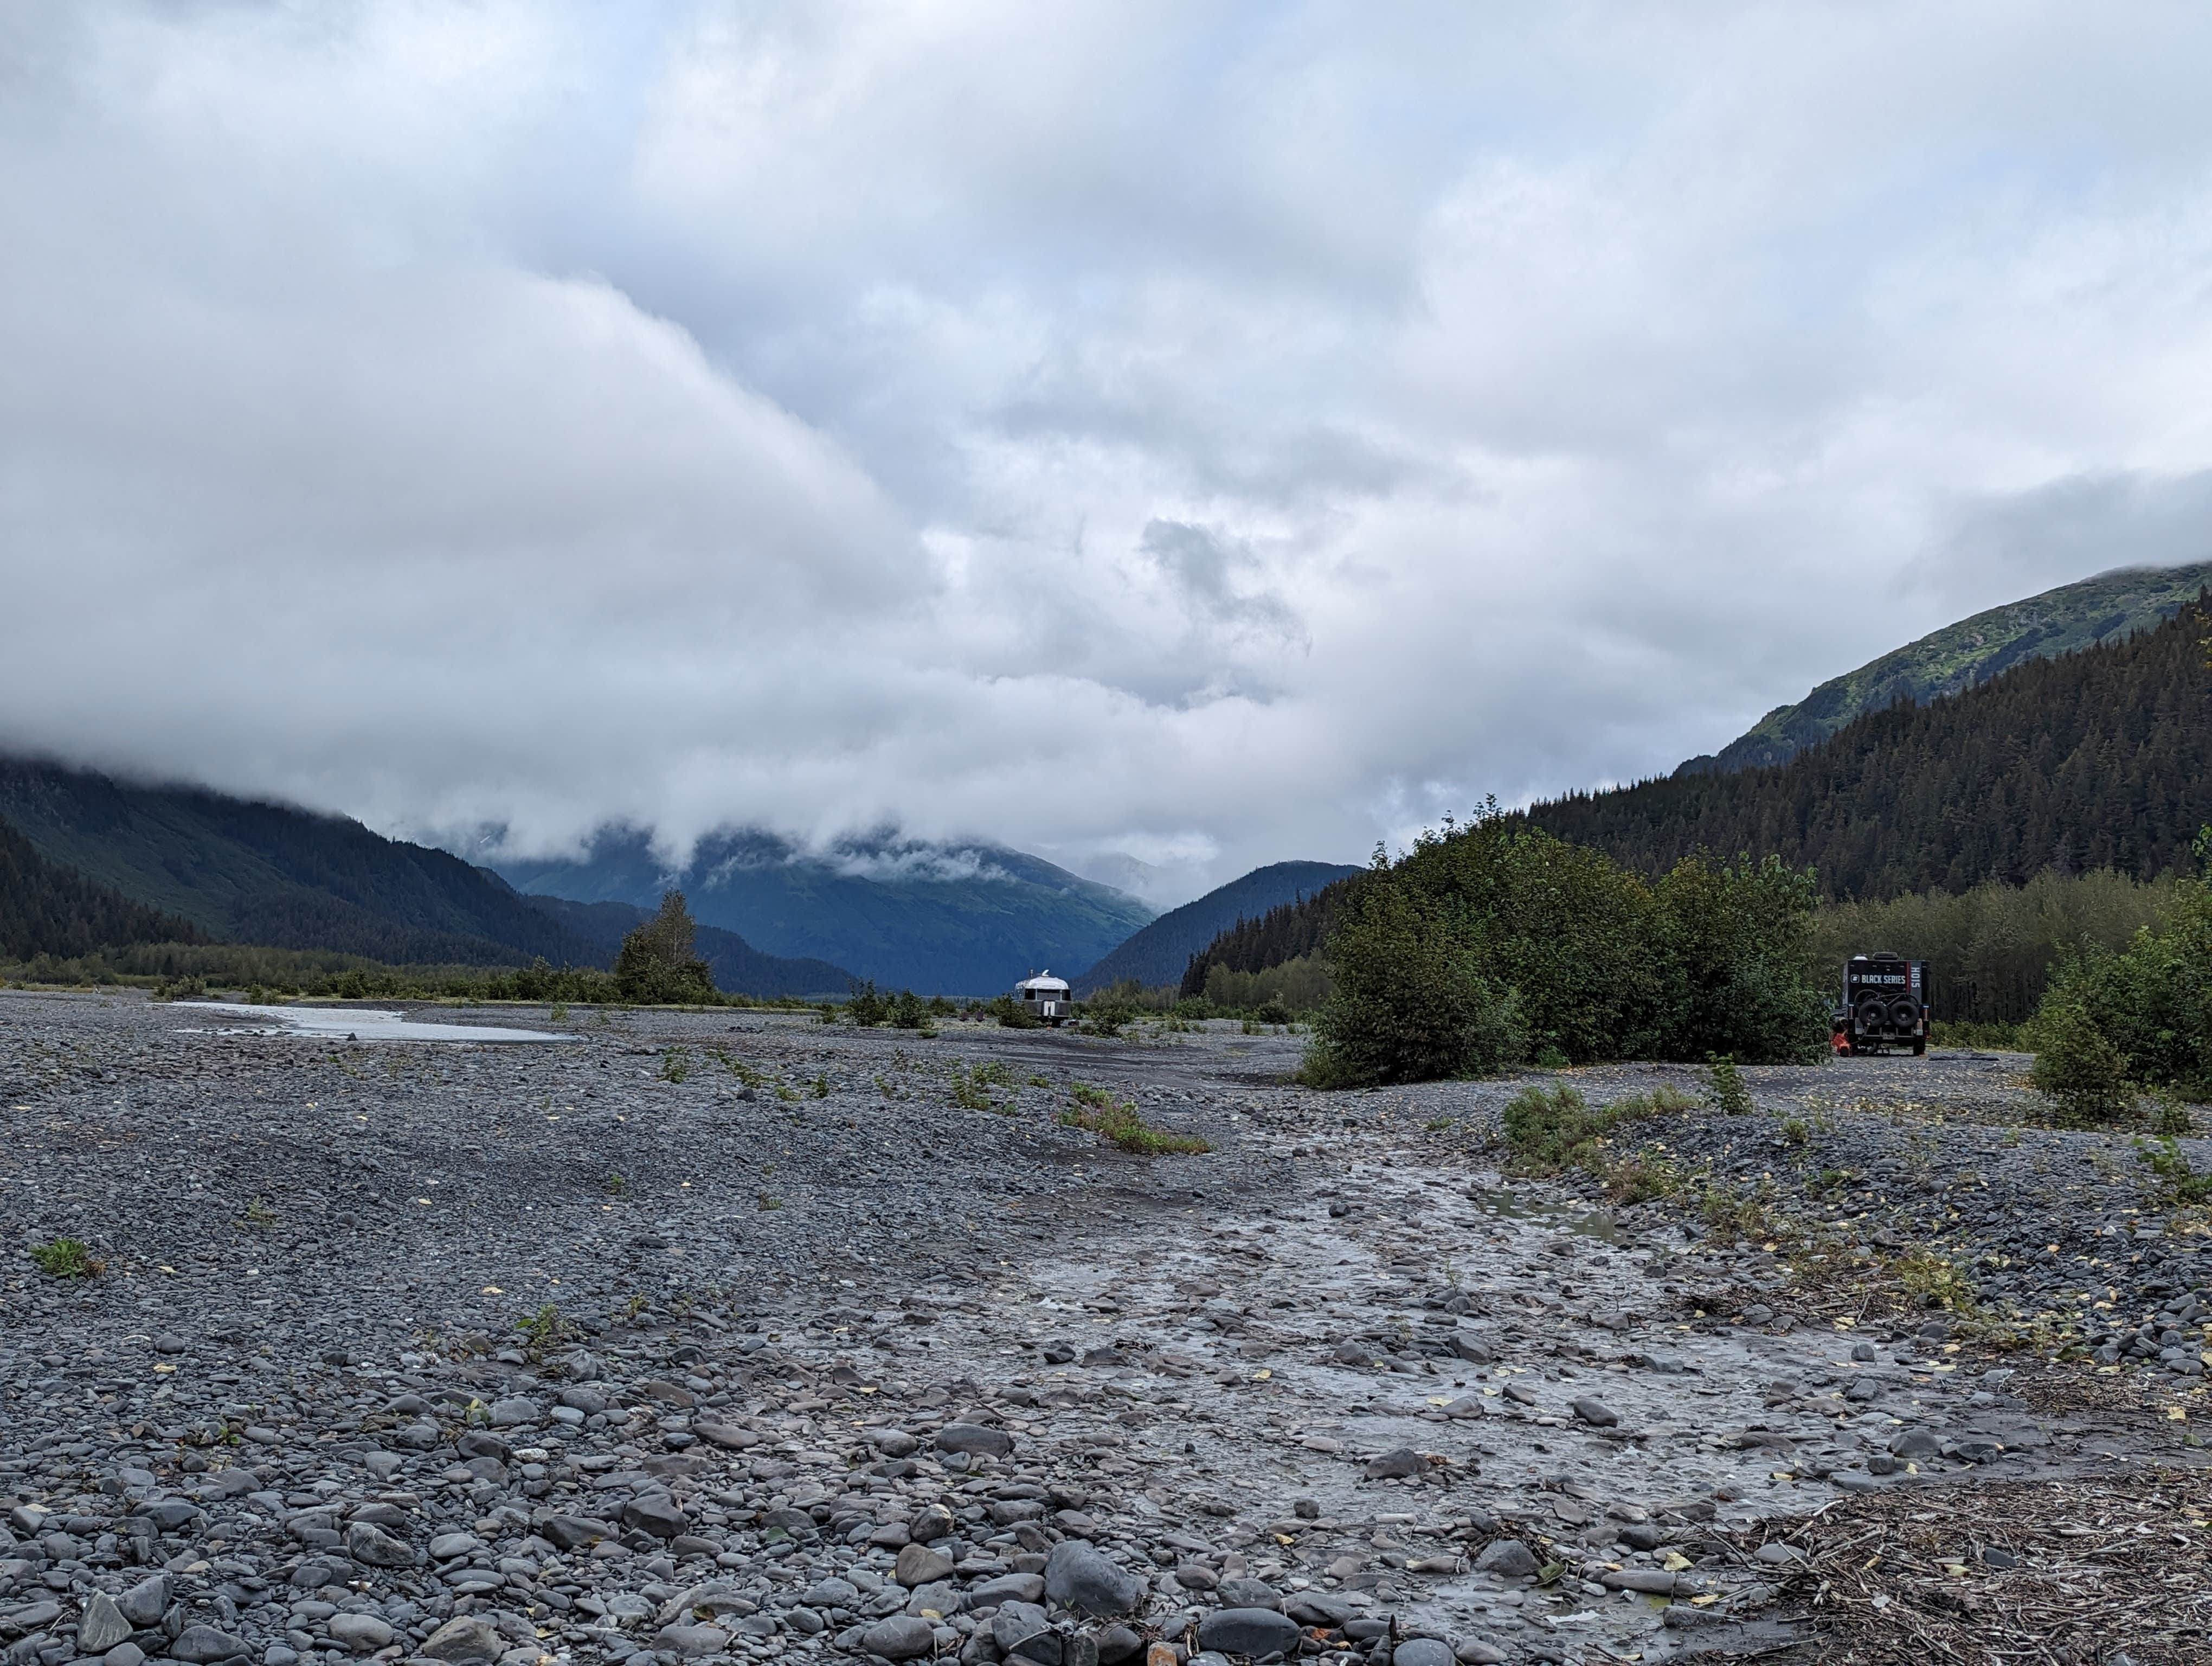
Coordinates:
1204	434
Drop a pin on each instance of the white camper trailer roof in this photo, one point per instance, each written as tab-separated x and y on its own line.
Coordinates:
1044	983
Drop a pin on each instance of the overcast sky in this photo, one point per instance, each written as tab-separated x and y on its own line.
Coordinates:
1207	433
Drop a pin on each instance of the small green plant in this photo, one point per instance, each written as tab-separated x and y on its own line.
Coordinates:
67	1258
259	1214
821	1085
1012	1015
770	1201
543	1331
1549	1057
1794	1131
676	1064
1040	1081
2165	1159
616	1186
1101	1113
1725	1088
1641	1176
1937	1278
558	1013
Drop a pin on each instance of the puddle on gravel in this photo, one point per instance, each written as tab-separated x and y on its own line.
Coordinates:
355	1023
1519	1206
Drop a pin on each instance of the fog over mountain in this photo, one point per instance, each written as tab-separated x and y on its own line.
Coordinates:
1199	435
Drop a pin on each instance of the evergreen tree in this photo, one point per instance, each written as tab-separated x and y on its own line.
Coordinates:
656	964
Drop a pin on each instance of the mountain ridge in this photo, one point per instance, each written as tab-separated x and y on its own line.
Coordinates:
1160	951
956	918
2103	608
259	871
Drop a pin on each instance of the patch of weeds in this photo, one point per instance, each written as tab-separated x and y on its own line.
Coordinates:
1549	1057
1642	1177
1725	1088
1795	1133
1249	1026
616	1186
543	1331
788	1094
676	1064
1742	1214
1549	1131
2169	1116
67	1258
558	1013
1437	1124
1929	1276
769	1200
821	1085
258	1214
1040	1081
2165	1158
1101	1113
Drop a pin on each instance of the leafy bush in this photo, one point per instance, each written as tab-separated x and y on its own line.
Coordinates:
1484	944
864	1006
1102	1016
2113	1023
1412	1002
1012	1015
2076	1065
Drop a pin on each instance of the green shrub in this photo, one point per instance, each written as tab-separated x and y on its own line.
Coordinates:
1105	1016
2112	1025
2076	1065
1411	1002
1484	944
1012	1015
864	1006
908	1011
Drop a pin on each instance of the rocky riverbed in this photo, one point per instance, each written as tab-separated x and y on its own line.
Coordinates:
736	1336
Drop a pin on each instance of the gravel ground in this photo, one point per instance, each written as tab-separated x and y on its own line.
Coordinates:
735	1336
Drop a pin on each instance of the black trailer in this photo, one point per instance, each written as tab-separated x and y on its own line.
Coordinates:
1885	1005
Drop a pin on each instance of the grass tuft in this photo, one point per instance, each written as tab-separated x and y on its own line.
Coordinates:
1101	1113
67	1258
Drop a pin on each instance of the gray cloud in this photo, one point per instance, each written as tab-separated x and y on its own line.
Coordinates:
1192	434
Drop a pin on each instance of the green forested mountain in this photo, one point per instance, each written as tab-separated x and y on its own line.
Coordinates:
246	871
1287	932
940	919
738	967
46	910
2098	759
1160	952
2100	610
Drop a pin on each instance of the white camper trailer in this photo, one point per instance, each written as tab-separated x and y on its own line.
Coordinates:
1046	998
